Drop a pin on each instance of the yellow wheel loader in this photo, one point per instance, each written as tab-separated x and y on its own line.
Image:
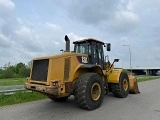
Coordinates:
84	72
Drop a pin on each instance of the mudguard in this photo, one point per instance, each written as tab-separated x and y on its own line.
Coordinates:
95	68
83	68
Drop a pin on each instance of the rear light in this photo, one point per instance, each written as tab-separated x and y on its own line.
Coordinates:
55	83
28	79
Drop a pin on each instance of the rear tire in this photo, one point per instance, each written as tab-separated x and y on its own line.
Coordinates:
121	89
89	91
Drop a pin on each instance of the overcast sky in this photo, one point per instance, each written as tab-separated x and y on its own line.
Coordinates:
35	28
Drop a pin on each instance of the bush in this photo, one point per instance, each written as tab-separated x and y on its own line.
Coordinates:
8	73
16	71
24	72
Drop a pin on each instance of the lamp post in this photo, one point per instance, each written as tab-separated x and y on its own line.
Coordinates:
130	57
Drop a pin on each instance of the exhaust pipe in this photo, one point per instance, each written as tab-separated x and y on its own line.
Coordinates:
67	43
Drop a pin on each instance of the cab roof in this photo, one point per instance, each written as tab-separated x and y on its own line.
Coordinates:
88	40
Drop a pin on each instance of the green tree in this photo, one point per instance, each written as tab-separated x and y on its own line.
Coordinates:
18	70
19	66
24	71
1	73
8	73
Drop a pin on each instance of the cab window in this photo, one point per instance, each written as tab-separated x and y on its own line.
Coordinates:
82	48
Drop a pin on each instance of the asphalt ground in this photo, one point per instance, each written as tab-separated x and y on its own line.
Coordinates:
143	106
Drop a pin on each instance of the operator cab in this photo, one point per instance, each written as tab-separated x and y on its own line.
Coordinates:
94	49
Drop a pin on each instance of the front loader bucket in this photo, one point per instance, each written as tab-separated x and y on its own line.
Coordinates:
133	84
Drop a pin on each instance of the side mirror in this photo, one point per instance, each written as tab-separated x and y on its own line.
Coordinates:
108	47
116	60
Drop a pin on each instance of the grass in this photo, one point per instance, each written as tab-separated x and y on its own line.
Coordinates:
141	78
12	81
20	97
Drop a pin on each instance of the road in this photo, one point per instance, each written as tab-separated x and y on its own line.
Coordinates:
143	106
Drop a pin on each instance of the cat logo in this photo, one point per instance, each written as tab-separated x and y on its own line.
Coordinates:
84	59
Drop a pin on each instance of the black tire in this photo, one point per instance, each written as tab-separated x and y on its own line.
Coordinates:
62	99
121	89
89	91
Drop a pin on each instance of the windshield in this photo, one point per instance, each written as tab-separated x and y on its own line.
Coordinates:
82	48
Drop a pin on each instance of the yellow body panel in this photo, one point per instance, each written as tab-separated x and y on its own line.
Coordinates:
77	72
62	68
114	75
56	66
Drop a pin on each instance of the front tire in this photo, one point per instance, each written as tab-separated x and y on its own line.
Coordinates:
121	89
89	91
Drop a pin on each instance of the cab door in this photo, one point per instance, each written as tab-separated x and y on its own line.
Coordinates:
97	55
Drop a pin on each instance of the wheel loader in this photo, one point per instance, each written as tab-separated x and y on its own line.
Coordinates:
84	72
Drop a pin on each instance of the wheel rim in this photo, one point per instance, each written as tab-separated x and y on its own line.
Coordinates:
125	85
95	91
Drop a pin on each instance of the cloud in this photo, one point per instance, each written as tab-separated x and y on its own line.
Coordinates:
6	7
24	36
115	16
21	41
124	21
24	31
4	41
92	12
52	27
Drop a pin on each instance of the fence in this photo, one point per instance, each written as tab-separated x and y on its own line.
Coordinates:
9	90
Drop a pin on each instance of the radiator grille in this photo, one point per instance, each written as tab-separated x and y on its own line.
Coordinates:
40	70
66	68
